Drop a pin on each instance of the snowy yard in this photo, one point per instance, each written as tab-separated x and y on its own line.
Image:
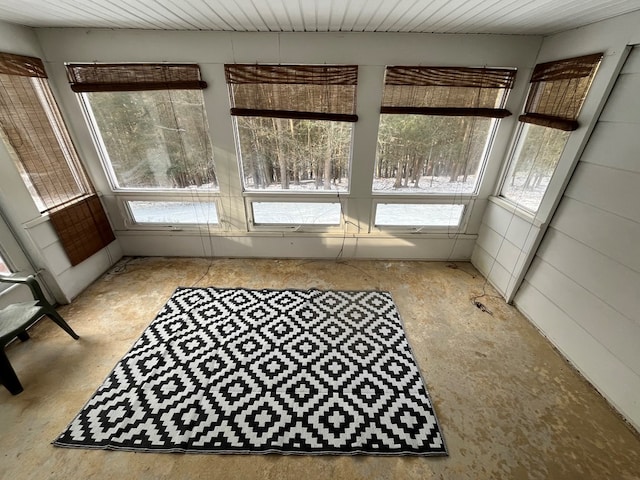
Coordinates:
296	213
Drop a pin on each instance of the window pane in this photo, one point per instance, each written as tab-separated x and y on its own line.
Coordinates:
296	213
287	154
173	212
536	156
155	139
430	154
426	214
4	268
36	137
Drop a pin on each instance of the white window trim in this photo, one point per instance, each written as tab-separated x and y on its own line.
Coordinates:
131	224
103	155
468	203
295	197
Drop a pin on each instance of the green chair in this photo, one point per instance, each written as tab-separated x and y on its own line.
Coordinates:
14	321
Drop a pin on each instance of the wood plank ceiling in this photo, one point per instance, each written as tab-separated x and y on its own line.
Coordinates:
539	17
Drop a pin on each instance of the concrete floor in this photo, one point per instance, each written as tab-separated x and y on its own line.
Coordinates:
509	405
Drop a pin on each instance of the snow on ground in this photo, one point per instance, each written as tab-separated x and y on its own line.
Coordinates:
438	185
296	213
330	212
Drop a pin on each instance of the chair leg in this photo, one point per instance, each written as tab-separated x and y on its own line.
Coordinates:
23	336
56	317
8	375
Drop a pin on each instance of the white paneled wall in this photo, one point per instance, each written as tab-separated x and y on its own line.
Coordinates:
583	288
504	242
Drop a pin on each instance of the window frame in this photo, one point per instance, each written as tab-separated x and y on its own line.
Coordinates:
429	77
257	191
294	197
467	203
123	195
512	156
130	222
105	161
493	130
552	191
304	102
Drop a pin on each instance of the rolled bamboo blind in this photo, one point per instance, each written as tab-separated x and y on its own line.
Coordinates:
313	92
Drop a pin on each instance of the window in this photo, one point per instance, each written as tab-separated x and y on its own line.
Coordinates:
535	160
557	93
294	155
296	213
150	124
418	215
293	125
436	127
37	138
173	212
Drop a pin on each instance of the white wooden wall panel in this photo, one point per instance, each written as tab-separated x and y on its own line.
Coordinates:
489	240
611	235
298	246
583	288
624	103
616	332
615	380
632	65
507	239
610	281
610	189
621	138
496	274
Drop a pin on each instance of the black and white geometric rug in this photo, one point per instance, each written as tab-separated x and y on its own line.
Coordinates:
265	371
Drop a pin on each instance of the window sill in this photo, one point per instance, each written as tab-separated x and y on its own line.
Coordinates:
517	211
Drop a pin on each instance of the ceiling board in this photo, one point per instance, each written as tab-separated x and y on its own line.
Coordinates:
536	17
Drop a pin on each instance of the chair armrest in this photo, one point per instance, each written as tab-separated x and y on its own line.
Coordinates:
16	279
31	282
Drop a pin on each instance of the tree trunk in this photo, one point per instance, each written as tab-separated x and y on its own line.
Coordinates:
398	182
328	158
460	161
282	161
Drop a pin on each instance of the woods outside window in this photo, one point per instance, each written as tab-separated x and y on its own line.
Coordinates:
557	93
294	125
150	124
435	133
152	133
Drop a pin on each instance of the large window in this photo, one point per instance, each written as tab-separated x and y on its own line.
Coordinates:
557	93
35	134
436	127
293	125
150	124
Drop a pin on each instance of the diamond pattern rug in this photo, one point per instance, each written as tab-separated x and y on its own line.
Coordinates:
265	371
